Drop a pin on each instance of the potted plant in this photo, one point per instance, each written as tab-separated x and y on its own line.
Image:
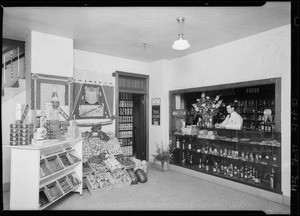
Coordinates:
163	155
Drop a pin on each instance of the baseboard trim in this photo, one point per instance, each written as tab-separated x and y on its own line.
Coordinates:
234	185
286	200
6	186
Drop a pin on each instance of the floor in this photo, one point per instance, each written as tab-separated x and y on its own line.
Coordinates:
169	190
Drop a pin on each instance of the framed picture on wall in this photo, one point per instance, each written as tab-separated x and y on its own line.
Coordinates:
92	101
42	87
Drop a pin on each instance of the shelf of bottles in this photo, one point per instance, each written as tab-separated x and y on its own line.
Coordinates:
125	126
257	114
257	165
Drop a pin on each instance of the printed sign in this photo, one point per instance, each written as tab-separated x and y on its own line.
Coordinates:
156	115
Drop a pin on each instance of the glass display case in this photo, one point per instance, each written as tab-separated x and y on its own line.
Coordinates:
248	157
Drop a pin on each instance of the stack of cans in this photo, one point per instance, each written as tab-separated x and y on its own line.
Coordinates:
21	134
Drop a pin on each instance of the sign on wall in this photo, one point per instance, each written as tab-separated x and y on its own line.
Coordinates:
156	111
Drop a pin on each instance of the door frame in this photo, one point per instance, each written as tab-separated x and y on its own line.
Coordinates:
117	74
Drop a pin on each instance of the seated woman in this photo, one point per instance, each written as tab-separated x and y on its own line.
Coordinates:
233	120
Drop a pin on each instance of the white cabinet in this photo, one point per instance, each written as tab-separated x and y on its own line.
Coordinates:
42	175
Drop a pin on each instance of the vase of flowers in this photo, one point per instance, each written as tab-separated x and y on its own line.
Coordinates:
164	155
206	109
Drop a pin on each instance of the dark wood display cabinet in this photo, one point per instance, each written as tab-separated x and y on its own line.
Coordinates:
252	104
247	157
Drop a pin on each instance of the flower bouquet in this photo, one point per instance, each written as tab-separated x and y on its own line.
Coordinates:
206	108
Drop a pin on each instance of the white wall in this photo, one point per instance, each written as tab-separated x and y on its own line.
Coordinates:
8	117
261	56
51	54
105	66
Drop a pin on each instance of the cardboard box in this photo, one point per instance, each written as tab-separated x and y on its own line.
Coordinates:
14	134
14	143
14	125
14	130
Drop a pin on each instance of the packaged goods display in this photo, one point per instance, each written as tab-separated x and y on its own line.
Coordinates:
125	127
99	167
44	197
86	168
21	134
125	161
44	169
74	156
54	176
64	184
54	163
54	191
74	179
251	158
99	145
121	177
64	157
99	181
113	164
113	146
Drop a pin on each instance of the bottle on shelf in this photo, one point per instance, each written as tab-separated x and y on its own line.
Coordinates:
259	178
274	161
200	164
246	173
177	143
230	170
214	168
242	172
190	156
207	166
221	168
218	168
183	150
235	171
253	174
250	173
272	179
267	158
256	177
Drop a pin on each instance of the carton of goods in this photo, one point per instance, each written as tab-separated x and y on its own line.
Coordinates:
86	169
65	185
113	164
190	130
54	163
44	197
120	178
101	181
126	162
73	179
99	167
54	191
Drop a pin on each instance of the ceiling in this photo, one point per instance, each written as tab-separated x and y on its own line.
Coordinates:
144	33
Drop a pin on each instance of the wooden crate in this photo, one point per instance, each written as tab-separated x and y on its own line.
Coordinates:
92	188
123	184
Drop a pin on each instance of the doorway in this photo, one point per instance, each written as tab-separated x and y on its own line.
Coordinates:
139	127
132	114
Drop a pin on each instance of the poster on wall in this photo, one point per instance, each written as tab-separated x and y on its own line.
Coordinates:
156	111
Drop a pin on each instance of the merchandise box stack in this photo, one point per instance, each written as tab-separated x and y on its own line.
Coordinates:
53	130
21	134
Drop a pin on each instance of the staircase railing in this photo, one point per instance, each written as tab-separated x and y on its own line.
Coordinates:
15	57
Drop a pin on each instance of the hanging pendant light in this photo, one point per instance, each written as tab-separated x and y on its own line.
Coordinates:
180	44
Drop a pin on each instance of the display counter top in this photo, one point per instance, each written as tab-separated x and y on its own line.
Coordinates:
48	145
